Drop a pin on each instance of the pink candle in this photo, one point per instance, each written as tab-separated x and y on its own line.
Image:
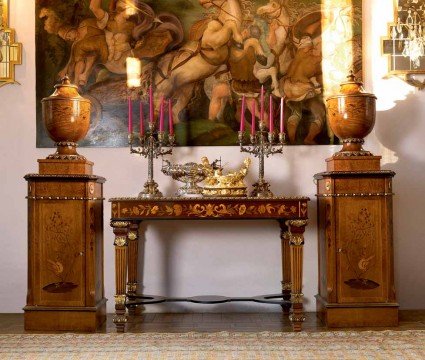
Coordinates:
151	112
170	118
262	103
142	129
253	118
271	125
242	129
130	116
282	128
161	115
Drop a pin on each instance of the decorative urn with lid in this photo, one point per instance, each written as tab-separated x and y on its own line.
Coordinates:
351	116
66	115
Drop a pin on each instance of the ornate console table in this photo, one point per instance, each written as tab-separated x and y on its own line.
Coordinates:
127	213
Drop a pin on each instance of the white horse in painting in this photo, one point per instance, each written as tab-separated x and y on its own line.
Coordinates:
176	73
277	16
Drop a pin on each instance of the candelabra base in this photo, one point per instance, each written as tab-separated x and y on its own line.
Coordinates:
261	189
150	190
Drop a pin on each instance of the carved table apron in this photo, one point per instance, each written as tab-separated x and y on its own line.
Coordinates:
127	213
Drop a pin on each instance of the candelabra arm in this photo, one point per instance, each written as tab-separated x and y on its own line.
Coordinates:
165	152
273	151
151	146
247	150
262	144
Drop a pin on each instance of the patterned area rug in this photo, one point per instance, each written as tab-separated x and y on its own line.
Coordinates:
370	345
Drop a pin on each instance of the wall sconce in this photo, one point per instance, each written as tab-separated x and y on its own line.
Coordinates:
405	44
10	52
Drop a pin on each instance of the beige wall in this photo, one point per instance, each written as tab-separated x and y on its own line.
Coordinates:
227	258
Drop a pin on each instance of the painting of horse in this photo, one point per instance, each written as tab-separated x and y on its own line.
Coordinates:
203	55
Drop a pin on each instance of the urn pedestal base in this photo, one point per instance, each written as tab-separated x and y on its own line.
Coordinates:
360	315
45	318
66	167
355	244
65	248
353	163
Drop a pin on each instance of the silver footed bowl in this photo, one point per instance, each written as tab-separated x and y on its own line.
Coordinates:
190	174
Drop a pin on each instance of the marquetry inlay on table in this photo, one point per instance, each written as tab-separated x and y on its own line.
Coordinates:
128	213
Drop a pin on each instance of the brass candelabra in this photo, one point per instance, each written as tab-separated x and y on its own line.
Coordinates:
262	144
152	145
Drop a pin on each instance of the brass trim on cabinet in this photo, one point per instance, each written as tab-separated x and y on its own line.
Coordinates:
355	194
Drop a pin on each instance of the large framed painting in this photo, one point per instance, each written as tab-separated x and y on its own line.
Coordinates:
204	55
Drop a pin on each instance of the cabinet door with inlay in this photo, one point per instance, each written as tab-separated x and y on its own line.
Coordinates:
361	250
59	253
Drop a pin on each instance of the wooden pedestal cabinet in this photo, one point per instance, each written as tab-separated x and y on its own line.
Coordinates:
356	275
65	253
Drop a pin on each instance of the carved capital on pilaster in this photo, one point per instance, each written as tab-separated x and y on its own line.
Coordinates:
296	223
119	300
120	241
286	286
132	235
296	239
297	298
131	287
120	224
285	235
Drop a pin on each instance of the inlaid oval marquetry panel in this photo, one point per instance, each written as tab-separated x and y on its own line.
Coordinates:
360	250
61	275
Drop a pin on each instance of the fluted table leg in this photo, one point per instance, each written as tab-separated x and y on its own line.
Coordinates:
286	265
296	230
133	259
121	250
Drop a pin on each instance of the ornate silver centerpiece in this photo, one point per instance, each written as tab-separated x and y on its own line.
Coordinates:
190	174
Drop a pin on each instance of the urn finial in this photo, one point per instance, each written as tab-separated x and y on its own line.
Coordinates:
65	80
351	116
351	77
66	115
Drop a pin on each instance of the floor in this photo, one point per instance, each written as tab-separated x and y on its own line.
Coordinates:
213	322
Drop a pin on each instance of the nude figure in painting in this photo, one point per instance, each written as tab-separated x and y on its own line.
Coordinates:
127	29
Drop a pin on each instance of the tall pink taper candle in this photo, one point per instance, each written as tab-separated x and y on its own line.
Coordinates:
141	117
151	112
242	129
262	103
161	115
271	125
170	118
282	128
253	118
130	115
